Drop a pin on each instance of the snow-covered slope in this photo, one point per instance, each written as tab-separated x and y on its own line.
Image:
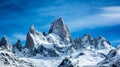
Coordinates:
8	59
112	59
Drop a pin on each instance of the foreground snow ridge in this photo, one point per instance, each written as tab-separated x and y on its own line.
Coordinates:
57	49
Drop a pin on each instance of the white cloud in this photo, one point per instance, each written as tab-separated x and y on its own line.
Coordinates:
113	15
113	11
19	36
109	16
13	39
115	41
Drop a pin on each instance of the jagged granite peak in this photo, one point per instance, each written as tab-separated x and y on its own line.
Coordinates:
87	37
32	29
29	41
30	44
86	40
34	39
100	43
18	45
5	44
60	29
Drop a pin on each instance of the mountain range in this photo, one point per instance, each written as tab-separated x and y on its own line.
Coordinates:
57	49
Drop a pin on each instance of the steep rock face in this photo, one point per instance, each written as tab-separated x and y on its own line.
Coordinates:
5	44
60	29
29	41
36	42
35	38
18	46
66	63
101	43
112	59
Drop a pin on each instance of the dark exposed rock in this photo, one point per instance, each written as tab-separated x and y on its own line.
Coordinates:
5	44
44	34
66	63
99	42
60	29
18	46
112	59
30	45
47	51
29	39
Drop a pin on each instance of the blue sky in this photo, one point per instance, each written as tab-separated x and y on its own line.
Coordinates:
97	17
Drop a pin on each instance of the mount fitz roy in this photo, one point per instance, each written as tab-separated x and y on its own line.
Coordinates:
58	49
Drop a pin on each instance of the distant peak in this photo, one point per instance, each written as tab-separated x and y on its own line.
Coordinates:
18	41
100	38
32	29
58	21
59	18
4	38
87	36
59	28
32	26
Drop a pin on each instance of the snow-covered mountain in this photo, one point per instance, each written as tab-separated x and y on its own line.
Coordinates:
57	48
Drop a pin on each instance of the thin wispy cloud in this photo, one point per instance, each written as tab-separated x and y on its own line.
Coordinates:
115	41
112	11
19	36
13	39
108	16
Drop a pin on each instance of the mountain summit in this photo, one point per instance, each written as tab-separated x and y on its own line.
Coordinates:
5	44
58	27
